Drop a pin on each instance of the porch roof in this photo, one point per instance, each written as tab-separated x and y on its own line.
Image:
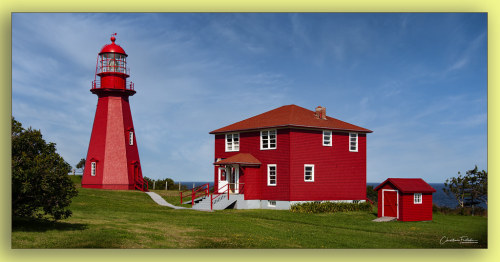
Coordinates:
244	159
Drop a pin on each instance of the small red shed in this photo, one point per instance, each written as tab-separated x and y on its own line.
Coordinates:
407	199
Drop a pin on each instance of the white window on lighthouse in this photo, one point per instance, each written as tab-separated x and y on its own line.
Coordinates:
131	138
93	168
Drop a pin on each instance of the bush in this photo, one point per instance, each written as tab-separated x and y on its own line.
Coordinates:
371	194
40	182
160	184
329	207
463	211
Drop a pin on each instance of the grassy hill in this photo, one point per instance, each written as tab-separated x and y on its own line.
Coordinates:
130	219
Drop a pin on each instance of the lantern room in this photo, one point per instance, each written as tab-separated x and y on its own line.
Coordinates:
112	59
112	67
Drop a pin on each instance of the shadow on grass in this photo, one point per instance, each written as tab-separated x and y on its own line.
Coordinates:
20	224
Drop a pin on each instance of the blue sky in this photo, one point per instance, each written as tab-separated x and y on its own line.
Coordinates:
419	81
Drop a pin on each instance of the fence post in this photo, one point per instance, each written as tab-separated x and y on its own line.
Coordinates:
166	185
154	182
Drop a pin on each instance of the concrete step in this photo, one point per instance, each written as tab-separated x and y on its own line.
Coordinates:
384	219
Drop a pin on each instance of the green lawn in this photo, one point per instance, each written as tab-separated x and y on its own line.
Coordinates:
130	219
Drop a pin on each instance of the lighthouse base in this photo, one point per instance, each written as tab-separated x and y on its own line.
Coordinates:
110	187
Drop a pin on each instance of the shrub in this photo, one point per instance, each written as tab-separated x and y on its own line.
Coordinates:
463	211
329	207
41	186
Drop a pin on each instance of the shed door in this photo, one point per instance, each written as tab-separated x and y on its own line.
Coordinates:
390	203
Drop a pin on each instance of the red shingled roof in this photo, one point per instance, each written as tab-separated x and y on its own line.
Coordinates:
290	116
408	185
240	158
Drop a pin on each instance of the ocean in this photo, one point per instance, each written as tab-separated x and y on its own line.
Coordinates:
439	197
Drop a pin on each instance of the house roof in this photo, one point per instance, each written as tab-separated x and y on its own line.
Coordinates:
289	116
408	185
244	159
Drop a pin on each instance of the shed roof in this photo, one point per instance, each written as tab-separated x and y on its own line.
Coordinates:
408	185
289	116
244	159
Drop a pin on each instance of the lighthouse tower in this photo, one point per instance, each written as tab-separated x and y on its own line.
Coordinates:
113	159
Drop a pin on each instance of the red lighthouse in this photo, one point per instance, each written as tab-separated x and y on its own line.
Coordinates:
113	159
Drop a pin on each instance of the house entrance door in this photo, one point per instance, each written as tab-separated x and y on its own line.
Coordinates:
223	181
234	178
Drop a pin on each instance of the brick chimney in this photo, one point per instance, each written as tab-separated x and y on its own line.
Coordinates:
320	112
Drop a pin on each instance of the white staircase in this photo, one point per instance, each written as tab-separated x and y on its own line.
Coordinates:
219	202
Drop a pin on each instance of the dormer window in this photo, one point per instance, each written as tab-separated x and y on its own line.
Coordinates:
327	138
268	139
232	142
131	138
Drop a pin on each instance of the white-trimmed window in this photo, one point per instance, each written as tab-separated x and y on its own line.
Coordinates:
131	138
93	166
353	142
417	198
268	139
271	203
232	142
309	173
327	138
271	174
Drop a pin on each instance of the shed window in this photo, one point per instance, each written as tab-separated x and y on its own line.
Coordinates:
93	168
232	142
271	175
268	139
353	142
309	173
417	198
131	138
327	138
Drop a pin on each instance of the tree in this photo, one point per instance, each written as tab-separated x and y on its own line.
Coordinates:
371	194
40	183
81	164
160	183
470	189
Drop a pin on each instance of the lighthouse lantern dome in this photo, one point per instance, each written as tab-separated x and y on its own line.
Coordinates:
112	59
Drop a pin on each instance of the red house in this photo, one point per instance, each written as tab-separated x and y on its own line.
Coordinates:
407	199
289	155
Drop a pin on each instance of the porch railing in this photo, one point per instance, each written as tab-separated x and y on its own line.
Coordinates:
141	184
216	196
195	193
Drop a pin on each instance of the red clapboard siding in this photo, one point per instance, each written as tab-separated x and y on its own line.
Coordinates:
256	186
415	212
338	173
